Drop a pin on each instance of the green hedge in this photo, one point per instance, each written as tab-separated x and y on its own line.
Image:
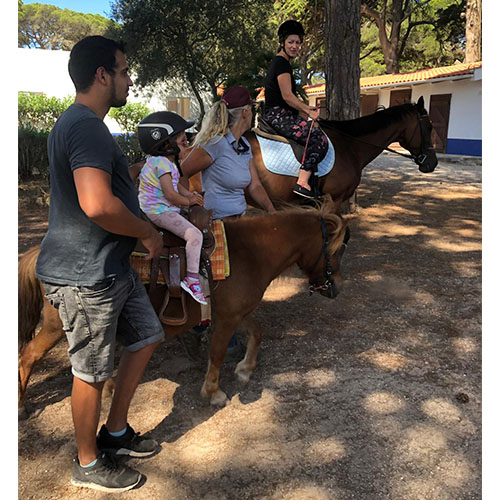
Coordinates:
37	115
129	116
130	146
32	152
39	111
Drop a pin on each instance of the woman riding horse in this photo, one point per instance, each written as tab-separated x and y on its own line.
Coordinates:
282	107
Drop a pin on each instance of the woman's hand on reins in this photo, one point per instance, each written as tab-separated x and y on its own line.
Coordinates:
313	113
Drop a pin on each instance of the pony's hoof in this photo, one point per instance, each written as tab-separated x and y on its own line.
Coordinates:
243	374
217	398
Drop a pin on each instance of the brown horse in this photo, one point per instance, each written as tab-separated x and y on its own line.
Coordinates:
357	143
260	248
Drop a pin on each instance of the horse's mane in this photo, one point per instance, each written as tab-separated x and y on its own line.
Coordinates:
369	123
323	208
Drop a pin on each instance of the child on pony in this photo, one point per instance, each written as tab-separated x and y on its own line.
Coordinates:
161	136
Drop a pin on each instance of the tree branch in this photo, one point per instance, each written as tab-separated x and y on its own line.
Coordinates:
368	53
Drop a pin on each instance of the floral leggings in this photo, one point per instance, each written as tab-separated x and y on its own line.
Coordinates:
297	128
181	227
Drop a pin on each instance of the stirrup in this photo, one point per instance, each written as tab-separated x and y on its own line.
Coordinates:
304	192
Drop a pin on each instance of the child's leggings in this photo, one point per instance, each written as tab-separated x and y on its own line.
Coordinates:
180	226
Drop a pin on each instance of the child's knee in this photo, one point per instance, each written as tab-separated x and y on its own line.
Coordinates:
194	234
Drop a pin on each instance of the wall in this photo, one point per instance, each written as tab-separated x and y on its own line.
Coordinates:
465	122
46	71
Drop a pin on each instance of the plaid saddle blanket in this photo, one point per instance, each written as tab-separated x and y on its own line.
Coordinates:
219	259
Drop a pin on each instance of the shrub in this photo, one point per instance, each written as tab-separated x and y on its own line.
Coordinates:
129	143
37	114
129	116
40	112
32	152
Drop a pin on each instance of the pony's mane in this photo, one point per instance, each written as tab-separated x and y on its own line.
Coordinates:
369	123
322	209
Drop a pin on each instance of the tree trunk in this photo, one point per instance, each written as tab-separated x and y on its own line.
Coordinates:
342	50
389	44
473	43
342	46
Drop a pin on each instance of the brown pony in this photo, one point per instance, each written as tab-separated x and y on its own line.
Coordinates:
357	143
260	248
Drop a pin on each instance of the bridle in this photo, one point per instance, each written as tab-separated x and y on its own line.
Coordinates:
421	157
328	285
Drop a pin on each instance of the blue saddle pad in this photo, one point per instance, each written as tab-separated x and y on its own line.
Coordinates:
278	157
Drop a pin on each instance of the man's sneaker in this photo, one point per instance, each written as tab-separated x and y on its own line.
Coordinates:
194	289
302	191
131	443
105	475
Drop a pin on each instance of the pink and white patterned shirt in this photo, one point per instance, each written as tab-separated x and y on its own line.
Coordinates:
151	197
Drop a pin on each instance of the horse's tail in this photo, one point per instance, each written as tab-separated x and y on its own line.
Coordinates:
30	299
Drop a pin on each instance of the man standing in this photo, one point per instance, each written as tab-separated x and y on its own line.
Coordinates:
84	265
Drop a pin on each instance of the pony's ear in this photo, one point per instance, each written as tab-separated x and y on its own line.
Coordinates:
420	104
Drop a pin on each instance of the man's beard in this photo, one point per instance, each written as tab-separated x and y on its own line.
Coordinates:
115	101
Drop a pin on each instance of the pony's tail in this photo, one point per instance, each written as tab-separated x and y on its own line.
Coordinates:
30	299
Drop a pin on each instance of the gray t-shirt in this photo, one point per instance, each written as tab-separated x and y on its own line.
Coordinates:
225	180
75	250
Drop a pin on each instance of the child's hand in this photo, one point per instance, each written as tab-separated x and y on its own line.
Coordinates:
196	199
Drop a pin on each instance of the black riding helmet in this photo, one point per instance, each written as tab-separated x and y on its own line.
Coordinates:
288	28
157	128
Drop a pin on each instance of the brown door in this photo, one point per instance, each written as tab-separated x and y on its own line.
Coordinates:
439	113
400	97
369	103
321	102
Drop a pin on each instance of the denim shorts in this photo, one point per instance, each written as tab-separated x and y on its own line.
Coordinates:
94	317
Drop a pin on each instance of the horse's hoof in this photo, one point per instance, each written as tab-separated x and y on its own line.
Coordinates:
243	374
218	398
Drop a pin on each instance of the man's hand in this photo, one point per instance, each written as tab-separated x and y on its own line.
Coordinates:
153	242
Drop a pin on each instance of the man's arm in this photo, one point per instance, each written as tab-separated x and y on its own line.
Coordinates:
97	200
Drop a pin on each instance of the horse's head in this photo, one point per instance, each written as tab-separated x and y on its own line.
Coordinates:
322	266
416	138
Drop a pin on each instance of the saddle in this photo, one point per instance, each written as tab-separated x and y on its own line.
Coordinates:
264	129
172	263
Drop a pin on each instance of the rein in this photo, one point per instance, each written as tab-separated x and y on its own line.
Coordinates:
329	284
418	159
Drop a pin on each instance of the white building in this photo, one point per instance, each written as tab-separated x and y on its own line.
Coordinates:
452	95
43	71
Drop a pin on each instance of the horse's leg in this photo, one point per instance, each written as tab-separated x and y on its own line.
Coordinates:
247	365
218	347
50	333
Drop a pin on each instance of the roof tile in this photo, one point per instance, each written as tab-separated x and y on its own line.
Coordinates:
415	76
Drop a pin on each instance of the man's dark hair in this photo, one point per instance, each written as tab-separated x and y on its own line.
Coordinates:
91	53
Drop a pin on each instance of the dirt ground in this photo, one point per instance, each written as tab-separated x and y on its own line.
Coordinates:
374	395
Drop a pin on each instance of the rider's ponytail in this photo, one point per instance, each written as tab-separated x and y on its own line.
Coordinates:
217	122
